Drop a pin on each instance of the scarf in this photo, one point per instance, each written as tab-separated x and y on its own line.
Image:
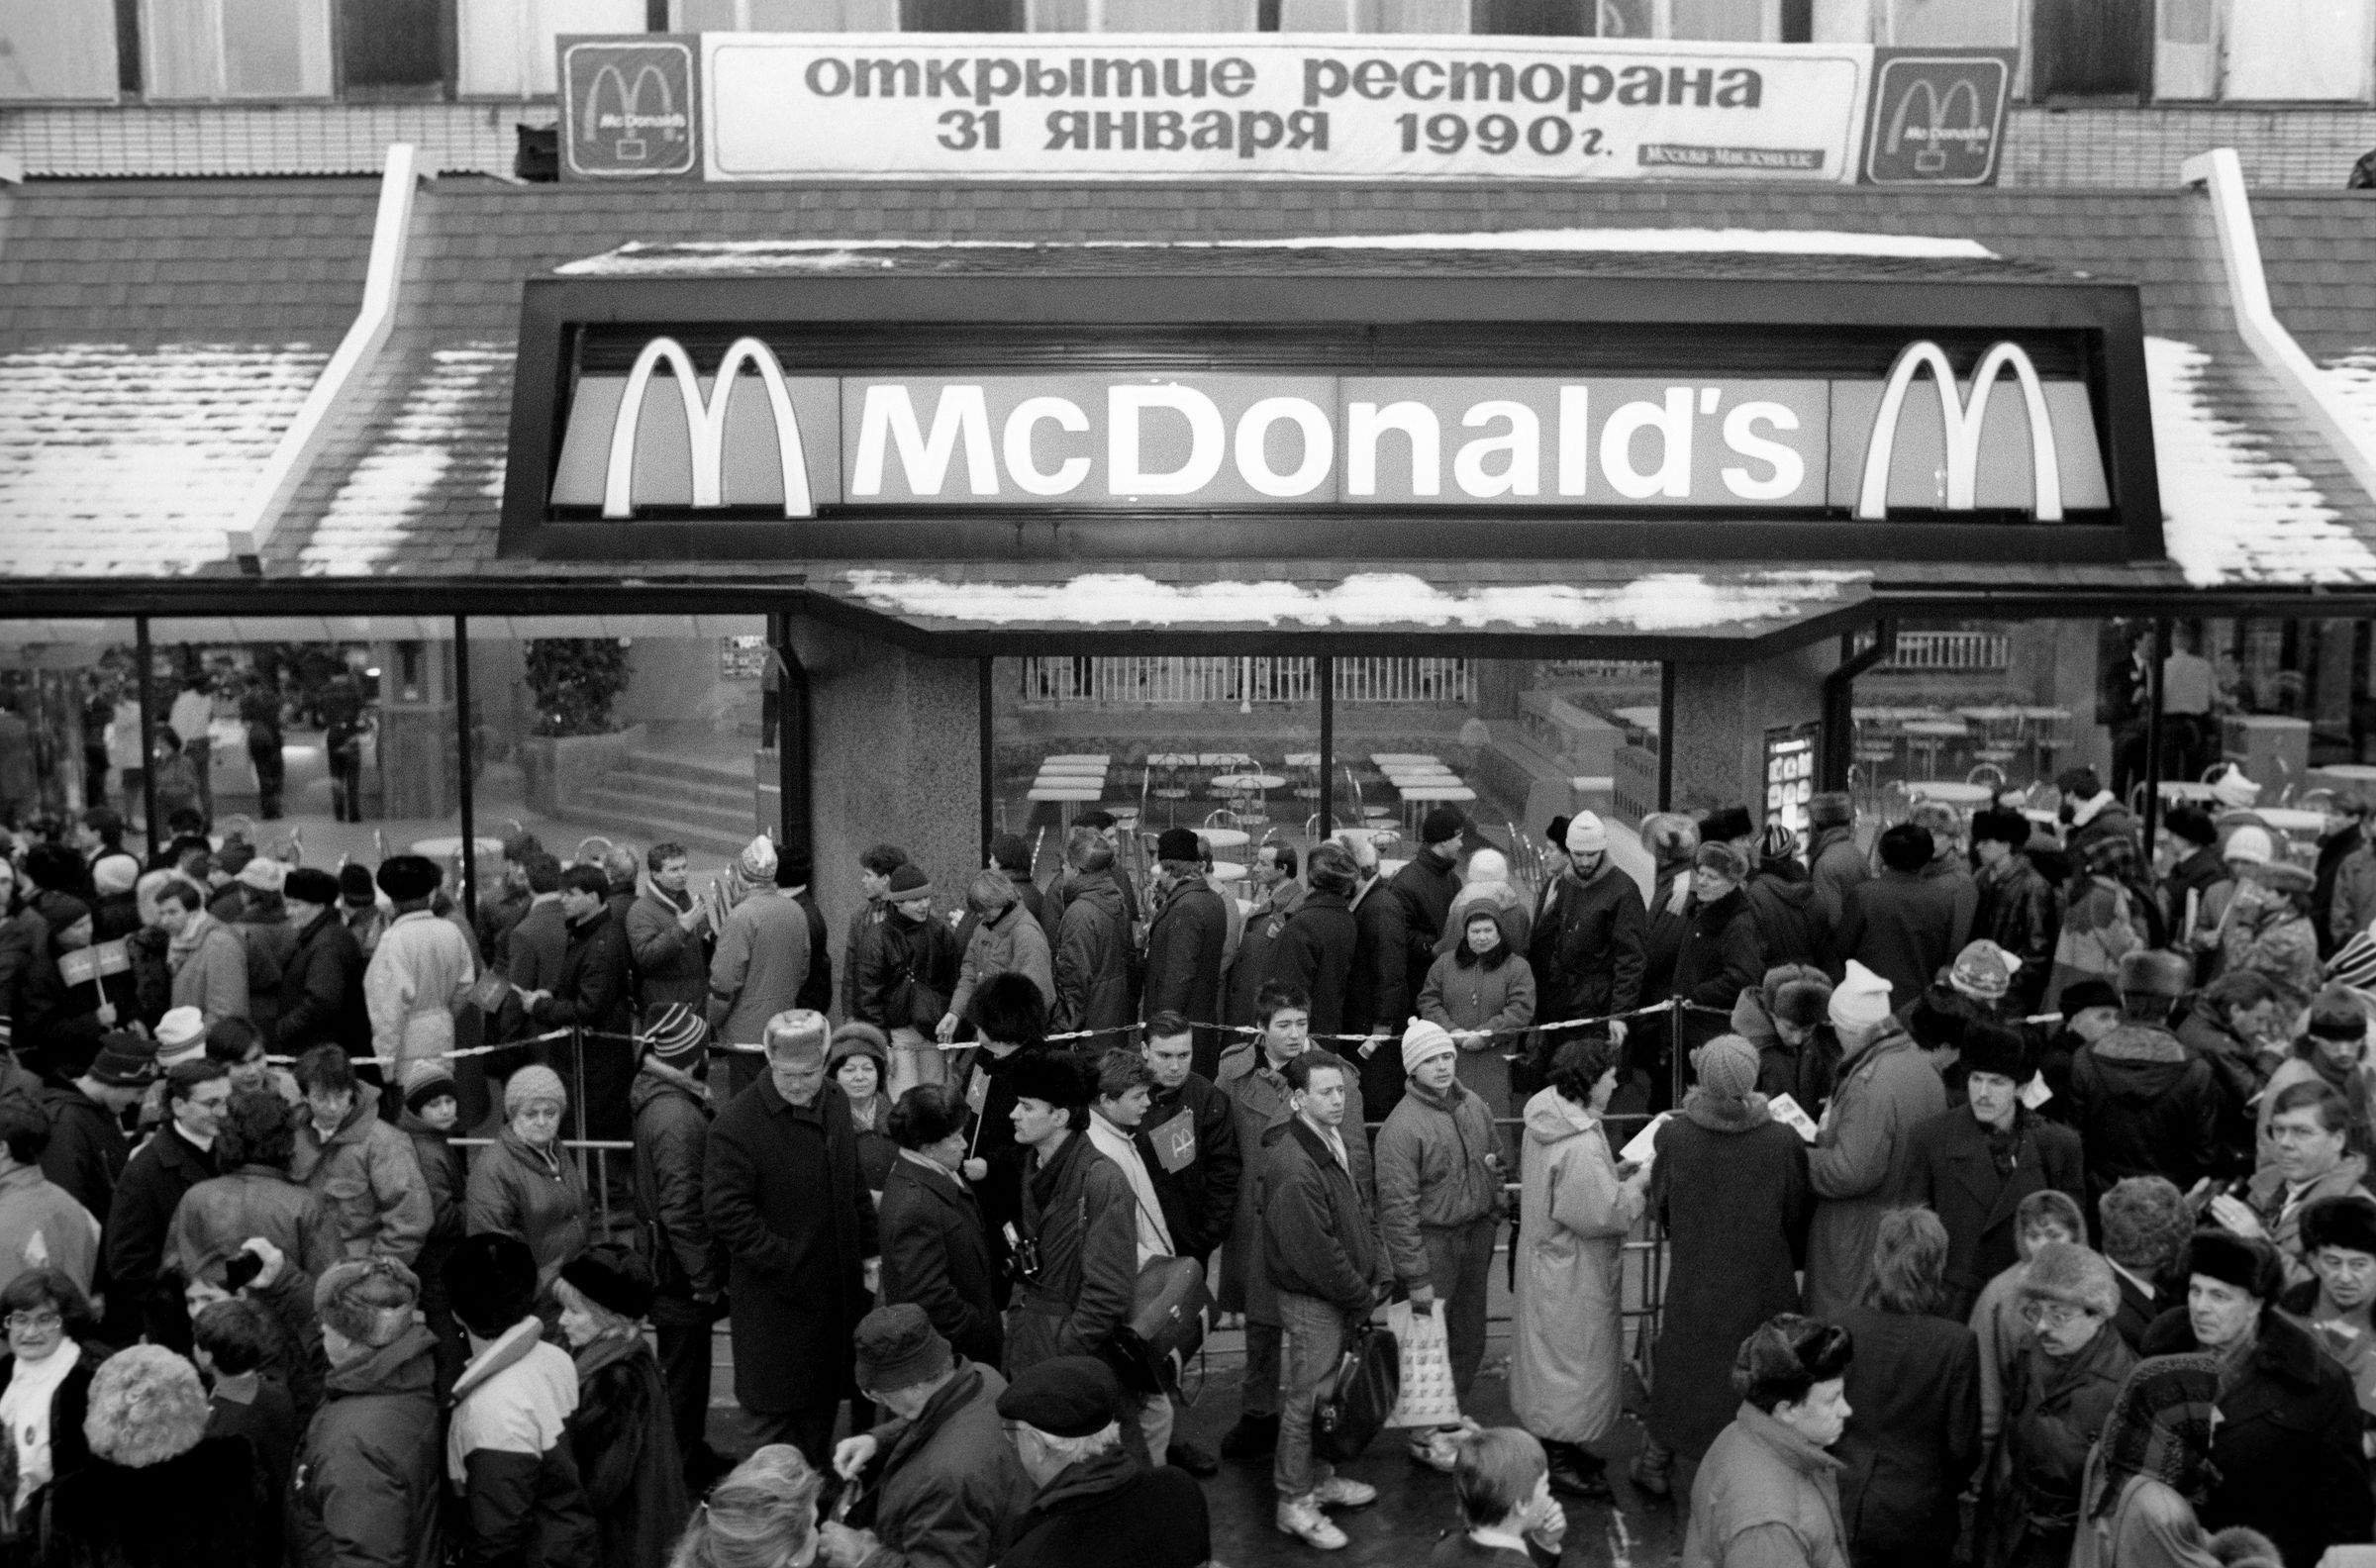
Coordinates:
2160	1427
26	1408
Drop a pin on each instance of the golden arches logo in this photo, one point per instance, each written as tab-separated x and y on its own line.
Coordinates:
705	424
1963	422
630	99
1934	121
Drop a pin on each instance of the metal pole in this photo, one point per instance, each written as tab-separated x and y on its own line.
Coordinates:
144	657
465	789
1324	671
985	757
1666	735
791	739
2155	698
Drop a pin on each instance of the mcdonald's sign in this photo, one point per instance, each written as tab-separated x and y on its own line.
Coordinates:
630	108
1937	118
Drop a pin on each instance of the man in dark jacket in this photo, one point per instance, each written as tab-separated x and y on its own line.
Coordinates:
671	1107
948	1489
1189	1141
590	994
1975	1162
508	904
1097	1504
2342	837
1313	946
1835	862
875	866
668	934
534	945
1722	953
2017	906
370	1471
783	1197
1185	941
1079	1256
1010	853
132	1249
935	1250
2143	1103
1419	900
87	1148
2287	1447
1093	940
1789	924
1901	924
1377	948
795	871
1948	865
322	985
1586	948
1271	872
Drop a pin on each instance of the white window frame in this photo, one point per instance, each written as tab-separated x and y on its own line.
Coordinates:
317	68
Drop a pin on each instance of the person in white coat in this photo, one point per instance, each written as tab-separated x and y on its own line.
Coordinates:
420	971
1576	1206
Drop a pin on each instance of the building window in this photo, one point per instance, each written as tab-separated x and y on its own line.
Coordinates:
236	49
53	49
395	48
506	48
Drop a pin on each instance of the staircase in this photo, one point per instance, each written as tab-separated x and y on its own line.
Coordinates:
704	804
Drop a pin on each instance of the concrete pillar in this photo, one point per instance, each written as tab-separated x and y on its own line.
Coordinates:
1722	713
896	760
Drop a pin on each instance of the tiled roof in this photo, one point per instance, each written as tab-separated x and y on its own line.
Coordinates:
409	486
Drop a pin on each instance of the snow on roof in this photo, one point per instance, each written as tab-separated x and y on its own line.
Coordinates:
2353	378
2234	512
1656	602
410	471
748	256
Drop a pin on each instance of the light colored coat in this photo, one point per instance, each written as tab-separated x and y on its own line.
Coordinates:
1863	1165
1566	1347
1007	942
419	973
761	962
210	969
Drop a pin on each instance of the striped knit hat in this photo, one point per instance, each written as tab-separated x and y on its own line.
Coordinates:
674	1035
2354	964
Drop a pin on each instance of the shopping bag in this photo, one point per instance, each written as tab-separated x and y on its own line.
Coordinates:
1426	1398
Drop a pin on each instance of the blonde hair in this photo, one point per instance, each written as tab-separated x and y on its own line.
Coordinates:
763	1515
612	1326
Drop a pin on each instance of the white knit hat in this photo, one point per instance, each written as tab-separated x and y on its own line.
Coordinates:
2250	846
1586	835
181	1036
1859	1001
1425	1040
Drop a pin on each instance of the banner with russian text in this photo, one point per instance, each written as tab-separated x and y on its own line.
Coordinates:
805	106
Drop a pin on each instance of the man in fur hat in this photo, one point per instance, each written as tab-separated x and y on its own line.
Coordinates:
2338	1237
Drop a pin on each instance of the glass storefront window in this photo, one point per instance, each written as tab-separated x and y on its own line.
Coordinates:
1964	710
70	734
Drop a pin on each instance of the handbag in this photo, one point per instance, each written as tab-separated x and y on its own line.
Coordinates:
1166	1325
1353	1402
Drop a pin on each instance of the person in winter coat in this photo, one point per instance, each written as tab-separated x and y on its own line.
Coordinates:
1093	940
87	1149
2339	909
2269	930
2241	1025
207	957
1586	951
528	1186
2332	1050
1313	946
2016	909
1011	854
2102	922
910	968
1722	953
1901	924
179	1156
2141	1103
591	994
950	1489
2044	1217
321	993
1768	1496
2195	888
366	1487
1576	1211
421	970
1834	861
2308	1132
1188	1140
620	1434
2059	1392
859	1061
2151	1470
1006	940
935	1248
1418	900
199	1499
254	1197
1913	1438
431	1110
2288	1450
1862	1164
40	1219
1784	1017
518	1495
669	933
1079	1217
44	1388
1673	842
1096	1501
1439	1193
1729	1185
262	926
1790	928
1184	941
1483	993
2092	812
671	1104
1270	870
760	964
1975	1163
1949	864
362	1167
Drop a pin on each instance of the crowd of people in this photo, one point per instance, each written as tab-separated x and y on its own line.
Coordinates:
2010	1174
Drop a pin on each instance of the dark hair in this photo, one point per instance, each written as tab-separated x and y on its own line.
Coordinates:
520	845
1009	852
1086	850
108	823
882	859
925	1115
1786	1356
231	1041
1906	847
2240	989
24	1131
2314	1094
1284	852
1910	1261
587	879
1119	1071
47	1287
257	1129
661	853
182	893
183	1077
1009	1009
1298	1070
1331	870
1581	1063
1276	995
54	868
324	1067
1491	958
541	871
1099	819
235	1333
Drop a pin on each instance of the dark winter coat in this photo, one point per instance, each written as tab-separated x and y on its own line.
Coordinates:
2288	1444
672	1135
132	1249
69	1448
370	1469
1902	927
1258	1098
1080	1210
1730	1188
322	991
1113	1508
446	1176
1184	944
1250	964
1790	925
519	1192
204	1507
593	995
785	1199
1722	955
1959	1178
2055	1409
1913	1433
1377	969
816	990
215	1218
1862	1166
87	1149
1189	1143
628	1465
951	1491
907	972
2017	912
937	1255
1092	960
1834	864
1419	898
2143	1105
1318	1230
670	965
1587	946
1314	952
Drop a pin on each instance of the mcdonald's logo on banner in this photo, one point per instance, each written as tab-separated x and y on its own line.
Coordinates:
1937	117
630	108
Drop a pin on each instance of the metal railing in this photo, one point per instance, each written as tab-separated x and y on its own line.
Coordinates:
1181	682
593	1157
1949	652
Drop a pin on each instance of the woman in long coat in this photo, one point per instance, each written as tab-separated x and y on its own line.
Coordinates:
619	1434
1566	1378
1483	991
1730	1184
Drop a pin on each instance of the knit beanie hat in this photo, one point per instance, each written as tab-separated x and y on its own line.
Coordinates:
1727	1066
1423	1041
531	1085
1983	971
2250	846
369	1301
265	874
1441	823
180	1035
674	1035
424	1081
757	863
2354	964
1587	834
1777	841
2147	1222
1860	1000
2233	788
115	873
908	884
2064	1271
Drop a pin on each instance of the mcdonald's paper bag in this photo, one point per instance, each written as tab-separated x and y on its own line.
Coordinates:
1427	1398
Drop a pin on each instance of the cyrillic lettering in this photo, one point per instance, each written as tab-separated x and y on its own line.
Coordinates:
1740	88
1195	86
1589	84
1638	84
1323	78
1374	78
1234	77
1258	131
1067	128
1492	84
996	78
894	78
1119	74
1166	129
1212	131
1541	82
948	73
1044	81
1701	84
1307	128
1117	131
1411	80
828	70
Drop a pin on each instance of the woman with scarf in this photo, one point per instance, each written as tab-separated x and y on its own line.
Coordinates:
1730	1185
2151	1469
529	1186
619	1434
2269	932
1482	991
860	1060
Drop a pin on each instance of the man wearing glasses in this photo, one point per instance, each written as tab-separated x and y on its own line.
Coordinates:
2057	1396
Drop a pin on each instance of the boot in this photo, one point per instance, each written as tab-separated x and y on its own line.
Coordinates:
1253	1437
1653	1470
1577	1473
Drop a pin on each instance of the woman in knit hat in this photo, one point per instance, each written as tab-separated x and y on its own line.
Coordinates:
1728	1183
859	1060
528	1186
619	1434
2268	929
2153	1469
1006	940
1721	952
2056	1400
1482	990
